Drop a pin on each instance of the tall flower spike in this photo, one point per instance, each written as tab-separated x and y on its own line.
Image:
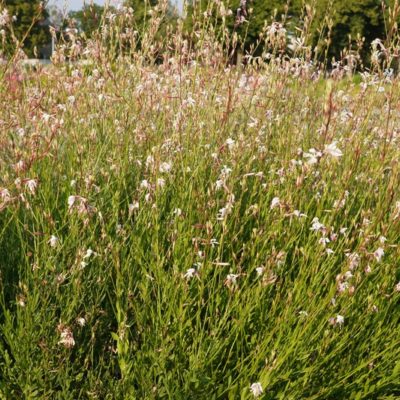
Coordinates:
241	13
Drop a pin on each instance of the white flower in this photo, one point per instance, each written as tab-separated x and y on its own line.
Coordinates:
316	225
219	184
303	313
348	275
89	253
81	321
260	271
149	161
226	171
299	214
190	101
214	242
366	222
222	213
177	212
160	182
378	254
324	241
354	260
144	184
190	273
46	117
339	319
5	195
21	132
20	165
312	156
31	184
256	389
53	241
275	203
397	287
133	206
342	287
333	150
21	301
71	201
67	338
231	279
377	43
230	143
165	167
4	17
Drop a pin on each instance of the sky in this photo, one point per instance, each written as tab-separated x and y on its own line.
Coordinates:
77	4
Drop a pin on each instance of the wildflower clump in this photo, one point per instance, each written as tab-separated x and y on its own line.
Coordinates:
204	221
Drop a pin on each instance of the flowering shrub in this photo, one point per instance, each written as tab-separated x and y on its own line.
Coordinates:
193	228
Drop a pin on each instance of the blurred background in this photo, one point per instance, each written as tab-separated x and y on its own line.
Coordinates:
333	28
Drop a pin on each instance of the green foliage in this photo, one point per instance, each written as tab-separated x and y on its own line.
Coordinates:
141	8
356	17
26	13
188	229
176	300
159	13
363	18
88	19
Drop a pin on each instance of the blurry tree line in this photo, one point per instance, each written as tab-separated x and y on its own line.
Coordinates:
328	26
29	22
25	23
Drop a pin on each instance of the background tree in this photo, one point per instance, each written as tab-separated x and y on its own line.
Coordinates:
57	16
141	10
247	19
31	25
356	17
88	19
363	18
155	27
141	7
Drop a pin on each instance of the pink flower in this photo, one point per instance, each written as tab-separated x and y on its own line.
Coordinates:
378	254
